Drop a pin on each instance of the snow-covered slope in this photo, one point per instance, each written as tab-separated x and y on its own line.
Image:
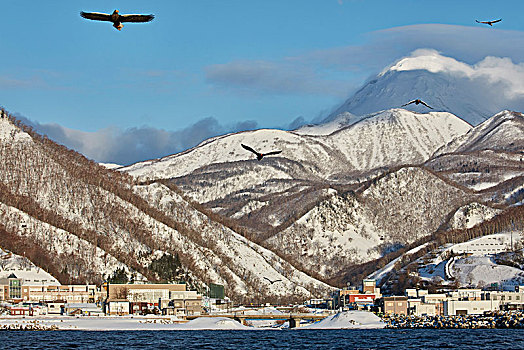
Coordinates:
355	228
341	121
24	269
504	131
488	159
470	92
479	262
472	214
396	137
349	320
289	201
88	222
384	139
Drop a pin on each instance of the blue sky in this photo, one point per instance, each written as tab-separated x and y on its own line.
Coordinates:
208	67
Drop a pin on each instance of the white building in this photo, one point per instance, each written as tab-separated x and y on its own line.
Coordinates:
118	307
419	308
470	307
492	244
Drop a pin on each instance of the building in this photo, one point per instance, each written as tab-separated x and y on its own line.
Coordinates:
466	294
508	300
118	307
369	286
24	311
16	289
397	305
469	307
12	289
66	293
418	308
411	293
149	293
492	244
85	309
352	298
146	298
55	308
186	303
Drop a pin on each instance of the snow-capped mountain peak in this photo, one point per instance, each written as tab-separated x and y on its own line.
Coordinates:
503	131
431	61
472	92
378	140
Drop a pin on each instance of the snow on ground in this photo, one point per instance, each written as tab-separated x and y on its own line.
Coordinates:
211	323
348	320
120	323
10	131
481	270
379	274
247	256
343	120
110	165
25	270
384	138
476	269
472	214
341	320
490	244
59	241
514	192
483	185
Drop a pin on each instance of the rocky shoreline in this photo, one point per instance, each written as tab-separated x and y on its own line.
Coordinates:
34	325
484	321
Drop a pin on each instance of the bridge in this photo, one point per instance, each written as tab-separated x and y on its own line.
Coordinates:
293	318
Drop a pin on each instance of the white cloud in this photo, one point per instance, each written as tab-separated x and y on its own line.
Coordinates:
131	145
491	70
336	70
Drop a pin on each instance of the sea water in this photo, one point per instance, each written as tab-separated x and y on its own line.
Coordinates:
484	339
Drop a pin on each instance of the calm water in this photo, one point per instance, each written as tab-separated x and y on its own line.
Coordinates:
282	339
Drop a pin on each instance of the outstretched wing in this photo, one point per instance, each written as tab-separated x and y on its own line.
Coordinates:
136	18
270	281
249	148
272	152
410	102
496	21
96	16
424	103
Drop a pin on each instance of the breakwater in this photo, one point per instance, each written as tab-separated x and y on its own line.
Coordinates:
488	320
33	325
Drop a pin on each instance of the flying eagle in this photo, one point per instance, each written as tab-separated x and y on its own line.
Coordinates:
116	18
490	23
259	155
417	101
271	282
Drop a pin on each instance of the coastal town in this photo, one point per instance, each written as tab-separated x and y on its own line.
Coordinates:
26	299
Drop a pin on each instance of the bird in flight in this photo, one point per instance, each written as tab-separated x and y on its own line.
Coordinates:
259	155
116	18
417	101
271	282
490	23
